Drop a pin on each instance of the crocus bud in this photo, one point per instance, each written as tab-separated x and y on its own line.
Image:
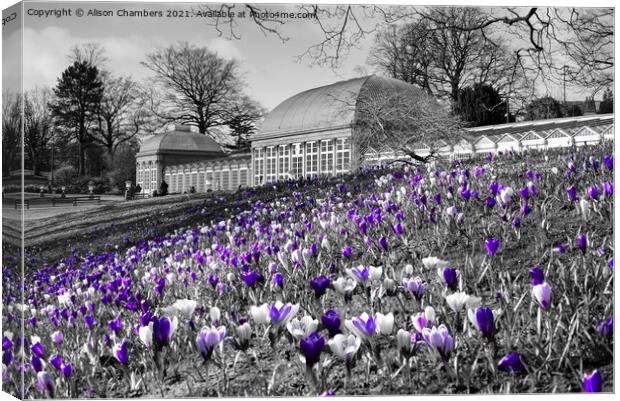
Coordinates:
537	275
385	323
581	242
592	382
542	293
483	320
57	337
45	382
121	352
511	362
492	245
215	314
331	321
448	275
311	347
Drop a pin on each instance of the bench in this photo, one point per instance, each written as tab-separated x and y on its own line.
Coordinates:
140	196
26	203
85	199
74	200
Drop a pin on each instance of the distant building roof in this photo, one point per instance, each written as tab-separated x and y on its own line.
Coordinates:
181	139
543	125
326	107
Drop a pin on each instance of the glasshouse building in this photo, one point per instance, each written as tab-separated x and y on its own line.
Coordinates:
313	133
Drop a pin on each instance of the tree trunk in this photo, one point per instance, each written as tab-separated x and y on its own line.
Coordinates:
81	161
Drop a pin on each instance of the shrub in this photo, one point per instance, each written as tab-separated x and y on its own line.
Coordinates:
65	175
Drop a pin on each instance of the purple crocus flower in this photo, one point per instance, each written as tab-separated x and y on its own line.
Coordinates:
606	327
398	228
163	328
45	382
492	245
593	192
347	251
511	362
331	321
114	325
383	242
525	209
7	357
490	202
523	192
439	339
493	187
611	263
537	275
278	279
484	321
280	313
415	286
592	382
66	369
560	248
361	273
449	277
57	337
311	347
251	278
581	242
208	338
364	325
572	193
36	363
37	349
516	222
608	161
56	361
121	352
6	343
608	188
320	284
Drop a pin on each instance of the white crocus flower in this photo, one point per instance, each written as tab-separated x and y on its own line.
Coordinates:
375	273
260	314
215	314
505	195
345	286
184	307
146	335
584	206
385	323
457	300
433	262
345	347
300	328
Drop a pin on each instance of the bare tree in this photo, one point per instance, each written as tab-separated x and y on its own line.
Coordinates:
404	121
91	53
536	35
11	131
442	59
199	87
117	114
38	126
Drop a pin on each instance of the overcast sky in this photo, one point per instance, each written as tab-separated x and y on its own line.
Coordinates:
270	67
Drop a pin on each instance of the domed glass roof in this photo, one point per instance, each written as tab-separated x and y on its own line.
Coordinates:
327	106
181	139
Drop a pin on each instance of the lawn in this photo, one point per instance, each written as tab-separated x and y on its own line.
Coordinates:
488	276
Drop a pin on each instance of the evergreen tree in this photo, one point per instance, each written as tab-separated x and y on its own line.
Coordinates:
481	105
544	108
607	105
78	95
